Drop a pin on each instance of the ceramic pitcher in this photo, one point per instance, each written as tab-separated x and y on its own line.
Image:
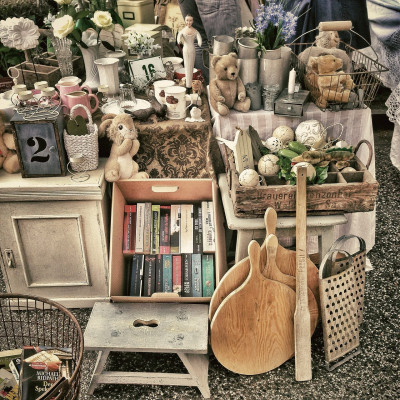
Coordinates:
108	72
81	97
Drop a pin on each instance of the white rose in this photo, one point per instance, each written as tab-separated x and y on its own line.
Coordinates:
63	26
103	19
62	2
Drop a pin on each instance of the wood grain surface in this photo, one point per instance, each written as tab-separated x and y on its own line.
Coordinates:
252	330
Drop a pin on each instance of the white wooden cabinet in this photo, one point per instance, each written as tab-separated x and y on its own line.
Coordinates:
54	237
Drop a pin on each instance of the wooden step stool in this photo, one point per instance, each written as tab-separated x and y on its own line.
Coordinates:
153	328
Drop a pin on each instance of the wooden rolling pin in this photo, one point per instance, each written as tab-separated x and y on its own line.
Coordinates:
335	26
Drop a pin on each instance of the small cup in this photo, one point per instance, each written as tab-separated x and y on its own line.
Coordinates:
127	97
49	97
159	89
175	99
41	85
18	88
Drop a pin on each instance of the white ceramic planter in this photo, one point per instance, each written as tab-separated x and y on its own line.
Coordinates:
108	72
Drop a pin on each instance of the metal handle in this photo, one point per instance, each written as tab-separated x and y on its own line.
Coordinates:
10	258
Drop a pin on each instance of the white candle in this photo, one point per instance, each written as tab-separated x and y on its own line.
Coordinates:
292	79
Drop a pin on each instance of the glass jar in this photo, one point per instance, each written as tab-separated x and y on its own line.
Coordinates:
48	98
102	94
269	94
127	97
26	100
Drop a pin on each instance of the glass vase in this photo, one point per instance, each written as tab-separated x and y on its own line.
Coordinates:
62	49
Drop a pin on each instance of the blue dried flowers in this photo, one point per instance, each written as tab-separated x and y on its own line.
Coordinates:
273	25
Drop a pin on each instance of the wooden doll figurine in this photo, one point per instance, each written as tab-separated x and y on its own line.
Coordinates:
189	34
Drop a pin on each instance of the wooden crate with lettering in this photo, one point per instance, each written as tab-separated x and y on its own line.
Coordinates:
341	193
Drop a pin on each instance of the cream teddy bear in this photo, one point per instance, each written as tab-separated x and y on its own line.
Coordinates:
121	130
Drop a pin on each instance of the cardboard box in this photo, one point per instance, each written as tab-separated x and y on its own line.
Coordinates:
163	192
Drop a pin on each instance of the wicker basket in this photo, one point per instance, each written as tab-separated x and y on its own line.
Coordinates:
34	321
83	151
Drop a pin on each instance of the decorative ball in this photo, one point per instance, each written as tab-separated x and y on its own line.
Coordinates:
284	133
195	113
268	165
249	178
273	144
308	132
348	169
341	144
310	169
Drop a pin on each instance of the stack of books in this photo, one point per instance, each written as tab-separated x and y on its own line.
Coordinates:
172	249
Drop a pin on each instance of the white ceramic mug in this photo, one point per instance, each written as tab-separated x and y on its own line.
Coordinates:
73	79
159	89
41	85
176	102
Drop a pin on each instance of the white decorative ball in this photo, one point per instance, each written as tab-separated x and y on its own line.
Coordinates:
310	169
284	133
249	178
348	169
268	165
308	132
273	144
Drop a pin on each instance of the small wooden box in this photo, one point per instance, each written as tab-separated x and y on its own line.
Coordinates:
160	191
291	107
48	73
342	193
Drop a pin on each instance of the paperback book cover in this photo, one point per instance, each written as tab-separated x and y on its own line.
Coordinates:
149	280
165	219
186	275
208	226
129	229
15	368
159	273
167	272
136	281
155	230
139	227
208	281
177	274
41	367
175	228
186	231
197	229
196	275
147	228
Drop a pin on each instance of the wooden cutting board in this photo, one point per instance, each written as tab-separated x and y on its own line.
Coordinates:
252	330
285	259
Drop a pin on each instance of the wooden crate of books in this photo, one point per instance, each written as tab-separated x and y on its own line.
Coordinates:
167	242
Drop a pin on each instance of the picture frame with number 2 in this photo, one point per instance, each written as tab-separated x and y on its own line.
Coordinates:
145	69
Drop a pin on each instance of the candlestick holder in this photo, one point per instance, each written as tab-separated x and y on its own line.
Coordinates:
291	105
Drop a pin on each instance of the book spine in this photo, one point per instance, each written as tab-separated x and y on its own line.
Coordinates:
15	368
197	229
155	231
159	273
147	229
175	227
165	219
196	275
208	226
167	273
136	275
149	275
187	275
177	274
186	231
207	261
139	227
129	229
128	275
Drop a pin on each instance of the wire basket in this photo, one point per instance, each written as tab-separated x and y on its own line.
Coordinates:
36	321
364	71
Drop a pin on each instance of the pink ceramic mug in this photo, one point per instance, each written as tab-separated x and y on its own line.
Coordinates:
81	97
67	87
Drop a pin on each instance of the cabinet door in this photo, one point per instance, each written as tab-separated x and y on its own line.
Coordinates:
59	248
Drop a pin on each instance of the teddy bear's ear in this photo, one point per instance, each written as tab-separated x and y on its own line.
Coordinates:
313	63
215	60
104	126
234	55
108	116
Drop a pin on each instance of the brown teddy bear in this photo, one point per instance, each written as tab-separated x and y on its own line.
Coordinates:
120	129
8	155
333	84
227	90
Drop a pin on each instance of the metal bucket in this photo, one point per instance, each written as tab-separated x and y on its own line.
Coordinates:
247	48
248	70
222	44
211	72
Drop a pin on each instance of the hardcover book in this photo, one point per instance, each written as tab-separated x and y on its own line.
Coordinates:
175	228
186	275
177	274
208	226
196	275
159	273
186	231
129	229
197	229
149	280
41	367
165	219
207	270
139	227
136	281
167	273
155	230
147	228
